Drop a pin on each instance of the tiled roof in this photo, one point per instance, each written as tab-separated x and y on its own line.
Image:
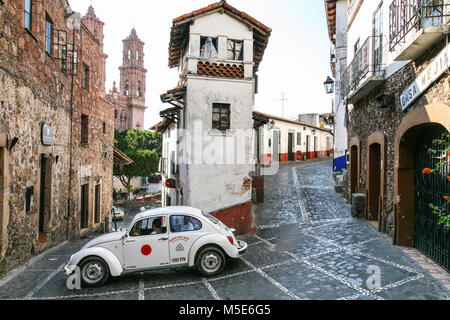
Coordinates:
121	157
180	31
290	121
330	7
220	70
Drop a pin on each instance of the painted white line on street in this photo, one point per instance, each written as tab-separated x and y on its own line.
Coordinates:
211	289
271	280
230	275
14	273
43	283
329	274
299	194
141	287
271	245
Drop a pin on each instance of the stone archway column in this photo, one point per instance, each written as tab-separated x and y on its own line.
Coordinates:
404	168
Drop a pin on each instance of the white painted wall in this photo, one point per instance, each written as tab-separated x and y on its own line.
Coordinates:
287	127
208	183
362	28
340	129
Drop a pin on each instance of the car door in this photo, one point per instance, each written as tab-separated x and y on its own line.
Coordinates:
144	248
184	231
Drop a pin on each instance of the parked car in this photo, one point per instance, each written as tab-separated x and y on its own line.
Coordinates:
166	237
117	213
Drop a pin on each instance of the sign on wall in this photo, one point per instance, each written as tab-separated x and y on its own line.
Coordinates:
432	72
48	135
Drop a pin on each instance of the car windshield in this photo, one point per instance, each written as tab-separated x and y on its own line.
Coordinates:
210	217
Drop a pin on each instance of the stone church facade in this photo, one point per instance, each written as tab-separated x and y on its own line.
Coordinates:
129	98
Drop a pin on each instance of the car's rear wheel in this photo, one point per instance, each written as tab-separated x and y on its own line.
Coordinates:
210	261
94	272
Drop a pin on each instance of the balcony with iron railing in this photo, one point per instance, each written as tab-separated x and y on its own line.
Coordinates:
415	25
365	72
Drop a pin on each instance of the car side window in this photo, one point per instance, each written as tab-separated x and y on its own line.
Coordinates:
184	224
150	226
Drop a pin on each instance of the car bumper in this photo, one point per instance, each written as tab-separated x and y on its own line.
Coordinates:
69	268
242	247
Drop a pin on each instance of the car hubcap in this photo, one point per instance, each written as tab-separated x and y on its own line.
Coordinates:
211	262
92	272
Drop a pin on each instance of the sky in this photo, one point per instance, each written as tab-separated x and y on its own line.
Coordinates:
296	61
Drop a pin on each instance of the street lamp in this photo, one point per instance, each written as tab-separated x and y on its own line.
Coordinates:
329	85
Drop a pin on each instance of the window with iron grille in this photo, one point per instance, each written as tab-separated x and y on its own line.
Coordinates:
299	139
85	77
221	116
48	34
27	14
84	129
235	50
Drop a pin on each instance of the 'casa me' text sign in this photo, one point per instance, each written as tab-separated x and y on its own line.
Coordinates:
431	73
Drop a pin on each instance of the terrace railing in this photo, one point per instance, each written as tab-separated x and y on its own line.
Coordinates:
366	63
406	15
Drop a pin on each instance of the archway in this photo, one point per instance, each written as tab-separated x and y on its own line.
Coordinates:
414	221
376	170
355	166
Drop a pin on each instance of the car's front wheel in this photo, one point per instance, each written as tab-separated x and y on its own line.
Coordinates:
210	261
94	272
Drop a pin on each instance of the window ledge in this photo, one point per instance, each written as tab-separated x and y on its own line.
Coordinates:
215	132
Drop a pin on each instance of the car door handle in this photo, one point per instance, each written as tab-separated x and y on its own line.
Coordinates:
163	239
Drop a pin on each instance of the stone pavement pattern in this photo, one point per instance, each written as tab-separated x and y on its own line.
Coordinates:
307	247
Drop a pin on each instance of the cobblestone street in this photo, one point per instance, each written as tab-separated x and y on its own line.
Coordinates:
307	247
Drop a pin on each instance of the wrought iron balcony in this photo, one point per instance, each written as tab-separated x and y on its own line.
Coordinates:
422	19
366	71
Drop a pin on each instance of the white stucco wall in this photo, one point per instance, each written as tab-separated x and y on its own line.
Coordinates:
287	127
215	173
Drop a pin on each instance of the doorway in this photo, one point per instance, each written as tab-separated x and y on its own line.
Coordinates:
307	148
84	221
430	237
316	149
374	191
276	146
45	196
353	170
97	204
290	147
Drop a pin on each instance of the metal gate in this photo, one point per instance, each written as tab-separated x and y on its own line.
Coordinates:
429	237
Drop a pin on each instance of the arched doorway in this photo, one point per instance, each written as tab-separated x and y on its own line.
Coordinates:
415	223
376	168
374	181
354	165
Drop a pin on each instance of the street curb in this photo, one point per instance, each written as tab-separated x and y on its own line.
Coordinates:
15	272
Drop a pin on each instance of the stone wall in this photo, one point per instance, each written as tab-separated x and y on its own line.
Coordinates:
387	120
34	90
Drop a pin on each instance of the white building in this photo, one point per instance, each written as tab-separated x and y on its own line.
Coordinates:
286	140
336	11
208	136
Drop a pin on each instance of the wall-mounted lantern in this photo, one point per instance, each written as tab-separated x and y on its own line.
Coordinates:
329	85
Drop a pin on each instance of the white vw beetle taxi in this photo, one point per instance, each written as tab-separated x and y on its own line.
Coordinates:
159	238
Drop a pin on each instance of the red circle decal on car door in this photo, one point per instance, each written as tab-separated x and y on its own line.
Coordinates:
146	250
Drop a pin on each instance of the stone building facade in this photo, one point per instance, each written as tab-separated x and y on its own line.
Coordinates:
397	85
56	130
